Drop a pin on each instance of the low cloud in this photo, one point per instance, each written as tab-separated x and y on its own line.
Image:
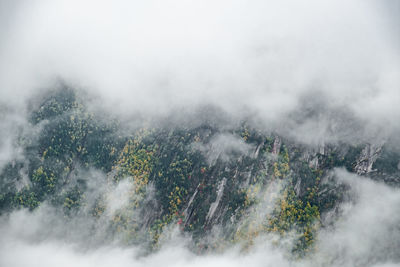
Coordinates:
366	234
259	58
224	147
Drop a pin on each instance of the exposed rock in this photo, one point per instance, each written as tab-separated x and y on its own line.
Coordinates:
258	150
297	187
314	163
214	205
276	148
367	158
189	209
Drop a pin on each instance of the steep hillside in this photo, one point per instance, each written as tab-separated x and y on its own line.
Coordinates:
222	186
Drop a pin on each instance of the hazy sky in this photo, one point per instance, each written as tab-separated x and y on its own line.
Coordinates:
240	55
319	71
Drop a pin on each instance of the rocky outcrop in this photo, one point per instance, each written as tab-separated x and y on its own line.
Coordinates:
276	148
215	204
367	157
189	209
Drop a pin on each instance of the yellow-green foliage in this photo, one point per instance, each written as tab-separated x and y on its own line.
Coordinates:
176	199
70	203
281	167
26	199
45	179
99	208
179	171
292	213
135	162
245	134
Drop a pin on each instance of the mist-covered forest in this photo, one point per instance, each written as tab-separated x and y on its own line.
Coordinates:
188	133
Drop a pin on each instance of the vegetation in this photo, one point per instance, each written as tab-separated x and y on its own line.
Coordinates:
173	182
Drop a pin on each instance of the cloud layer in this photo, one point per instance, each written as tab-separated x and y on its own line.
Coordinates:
261	57
367	234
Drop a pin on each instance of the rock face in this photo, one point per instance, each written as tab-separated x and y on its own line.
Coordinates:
367	158
216	203
276	146
189	209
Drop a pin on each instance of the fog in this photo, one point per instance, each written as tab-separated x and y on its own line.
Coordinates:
260	58
318	72
367	234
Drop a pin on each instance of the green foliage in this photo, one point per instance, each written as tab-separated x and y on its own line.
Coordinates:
388	162
72	200
349	160
173	169
44	179
55	104
71	138
137	161
294	214
249	134
281	167
78	135
26	199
